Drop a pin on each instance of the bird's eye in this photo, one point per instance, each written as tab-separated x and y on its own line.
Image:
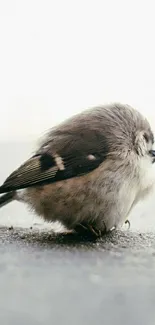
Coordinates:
146	137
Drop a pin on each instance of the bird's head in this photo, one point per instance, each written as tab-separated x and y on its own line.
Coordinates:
144	144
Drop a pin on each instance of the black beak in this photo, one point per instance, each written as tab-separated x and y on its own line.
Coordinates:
152	152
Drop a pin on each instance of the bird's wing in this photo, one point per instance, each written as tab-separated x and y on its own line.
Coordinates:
67	156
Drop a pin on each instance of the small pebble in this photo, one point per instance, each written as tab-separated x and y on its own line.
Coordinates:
11	228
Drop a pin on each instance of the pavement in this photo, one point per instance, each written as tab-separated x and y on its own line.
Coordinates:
48	278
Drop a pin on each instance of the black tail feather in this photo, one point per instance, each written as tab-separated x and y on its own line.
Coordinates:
6	189
6	198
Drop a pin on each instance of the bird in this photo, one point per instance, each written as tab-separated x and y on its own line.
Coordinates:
89	171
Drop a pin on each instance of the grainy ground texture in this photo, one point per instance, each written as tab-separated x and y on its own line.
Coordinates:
64	279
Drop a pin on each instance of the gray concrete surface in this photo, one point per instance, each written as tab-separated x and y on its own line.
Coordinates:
64	279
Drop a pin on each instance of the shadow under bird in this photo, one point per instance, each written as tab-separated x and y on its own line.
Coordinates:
89	171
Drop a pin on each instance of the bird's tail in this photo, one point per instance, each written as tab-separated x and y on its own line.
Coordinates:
7	198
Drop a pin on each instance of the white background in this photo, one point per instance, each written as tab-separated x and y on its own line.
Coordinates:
59	57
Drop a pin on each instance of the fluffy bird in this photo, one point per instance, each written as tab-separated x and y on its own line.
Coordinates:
89	171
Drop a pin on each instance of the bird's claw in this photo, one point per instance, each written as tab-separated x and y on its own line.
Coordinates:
128	222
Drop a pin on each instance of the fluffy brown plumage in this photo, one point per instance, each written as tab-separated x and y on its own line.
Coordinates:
89	171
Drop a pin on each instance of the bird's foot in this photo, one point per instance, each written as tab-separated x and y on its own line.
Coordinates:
88	229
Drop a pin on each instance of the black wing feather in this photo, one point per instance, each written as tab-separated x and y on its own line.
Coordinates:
78	158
